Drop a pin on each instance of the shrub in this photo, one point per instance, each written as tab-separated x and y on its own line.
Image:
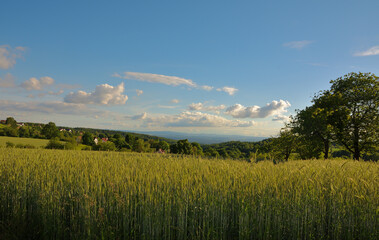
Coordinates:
9	145
54	144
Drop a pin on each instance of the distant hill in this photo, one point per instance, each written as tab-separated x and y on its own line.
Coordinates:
203	138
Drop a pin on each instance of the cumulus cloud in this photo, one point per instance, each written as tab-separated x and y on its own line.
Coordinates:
275	108
195	119
139	92
103	95
281	118
35	84
8	56
7	81
156	78
370	52
229	90
202	107
175	100
297	44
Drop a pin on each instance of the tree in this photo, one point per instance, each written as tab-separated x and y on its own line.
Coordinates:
197	149
11	132
87	139
11	121
353	107
285	144
141	146
312	124
50	130
182	147
24	131
164	145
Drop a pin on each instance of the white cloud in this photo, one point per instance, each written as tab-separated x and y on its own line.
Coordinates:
46	81
297	44
7	81
156	78
203	107
141	116
48	107
103	95
275	108
47	93
175	100
281	118
167	107
139	92
8	56
370	52
206	87
35	84
195	119
229	90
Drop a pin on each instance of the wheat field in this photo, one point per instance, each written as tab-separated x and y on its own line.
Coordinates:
56	194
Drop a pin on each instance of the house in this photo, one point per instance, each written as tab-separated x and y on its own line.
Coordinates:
104	140
96	141
3	121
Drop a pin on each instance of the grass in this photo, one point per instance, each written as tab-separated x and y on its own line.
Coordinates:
17	140
53	194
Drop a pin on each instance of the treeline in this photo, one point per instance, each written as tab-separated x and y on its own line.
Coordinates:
346	115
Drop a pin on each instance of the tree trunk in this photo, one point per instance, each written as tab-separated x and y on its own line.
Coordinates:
356	144
326	149
357	153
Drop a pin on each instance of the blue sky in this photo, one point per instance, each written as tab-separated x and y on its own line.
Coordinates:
228	67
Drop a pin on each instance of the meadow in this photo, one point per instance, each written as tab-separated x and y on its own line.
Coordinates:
38	143
55	194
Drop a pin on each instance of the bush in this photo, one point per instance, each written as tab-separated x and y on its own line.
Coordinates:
86	148
106	146
9	145
54	144
28	146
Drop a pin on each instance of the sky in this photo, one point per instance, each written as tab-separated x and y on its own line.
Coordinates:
217	67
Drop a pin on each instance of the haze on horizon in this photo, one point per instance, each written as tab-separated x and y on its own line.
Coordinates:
216	67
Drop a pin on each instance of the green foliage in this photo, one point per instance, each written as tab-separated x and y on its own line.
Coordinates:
54	143
49	194
211	152
105	146
11	122
24	132
141	146
50	131
10	145
10	131
284	145
353	107
182	147
87	139
197	149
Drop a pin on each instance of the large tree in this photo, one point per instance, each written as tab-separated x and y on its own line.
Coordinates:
313	126
50	130
352	106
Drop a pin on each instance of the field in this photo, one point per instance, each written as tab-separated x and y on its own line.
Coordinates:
16	140
54	194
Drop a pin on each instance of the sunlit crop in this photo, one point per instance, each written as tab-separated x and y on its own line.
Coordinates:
54	194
